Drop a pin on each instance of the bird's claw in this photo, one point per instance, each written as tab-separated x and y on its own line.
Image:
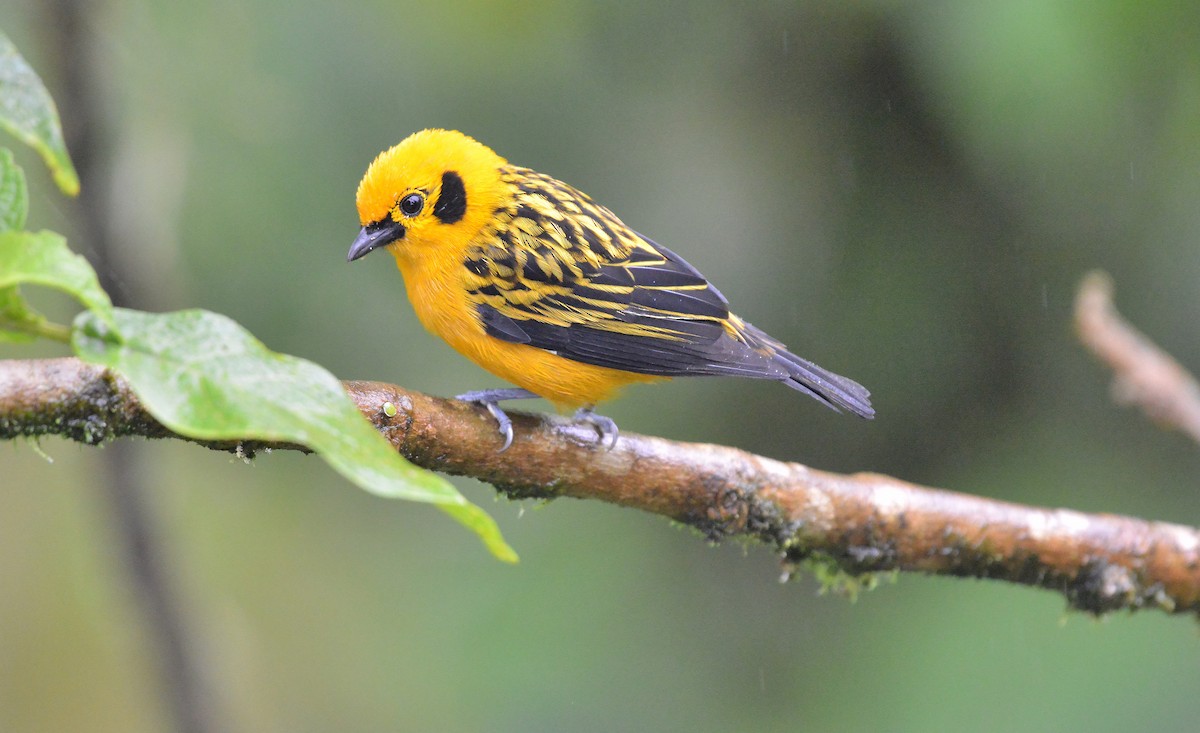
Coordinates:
605	426
489	399
503	422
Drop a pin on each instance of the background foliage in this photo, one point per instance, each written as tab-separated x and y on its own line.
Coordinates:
907	193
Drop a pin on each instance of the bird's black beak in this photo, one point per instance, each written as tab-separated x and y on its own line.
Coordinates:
374	236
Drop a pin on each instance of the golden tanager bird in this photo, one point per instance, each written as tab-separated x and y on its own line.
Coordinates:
540	285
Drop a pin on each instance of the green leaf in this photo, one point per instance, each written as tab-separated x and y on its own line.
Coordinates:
28	112
42	258
14	198
203	375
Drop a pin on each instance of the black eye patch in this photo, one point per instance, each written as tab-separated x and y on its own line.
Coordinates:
452	201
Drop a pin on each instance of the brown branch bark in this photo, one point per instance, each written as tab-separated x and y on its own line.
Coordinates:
860	523
1143	374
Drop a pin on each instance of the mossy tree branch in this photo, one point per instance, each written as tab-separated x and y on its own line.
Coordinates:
860	523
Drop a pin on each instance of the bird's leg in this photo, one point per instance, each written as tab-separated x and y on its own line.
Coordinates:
489	399
604	425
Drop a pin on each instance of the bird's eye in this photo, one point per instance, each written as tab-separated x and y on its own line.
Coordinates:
412	204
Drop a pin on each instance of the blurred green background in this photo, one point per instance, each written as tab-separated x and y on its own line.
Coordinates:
907	193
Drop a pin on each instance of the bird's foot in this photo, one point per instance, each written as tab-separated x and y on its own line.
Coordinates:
603	425
489	398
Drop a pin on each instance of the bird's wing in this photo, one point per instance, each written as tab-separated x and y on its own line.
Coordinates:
561	273
625	303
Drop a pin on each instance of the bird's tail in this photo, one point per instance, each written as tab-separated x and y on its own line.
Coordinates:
833	390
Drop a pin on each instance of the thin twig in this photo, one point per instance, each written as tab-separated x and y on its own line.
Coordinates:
187	687
860	523
1143	374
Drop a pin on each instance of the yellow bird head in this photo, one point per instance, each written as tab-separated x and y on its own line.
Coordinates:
434	187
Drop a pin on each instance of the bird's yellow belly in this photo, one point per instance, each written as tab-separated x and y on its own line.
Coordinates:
442	307
564	382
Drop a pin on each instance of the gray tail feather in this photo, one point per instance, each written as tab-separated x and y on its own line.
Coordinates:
834	390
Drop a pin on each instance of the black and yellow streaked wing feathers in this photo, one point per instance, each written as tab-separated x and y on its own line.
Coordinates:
558	272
